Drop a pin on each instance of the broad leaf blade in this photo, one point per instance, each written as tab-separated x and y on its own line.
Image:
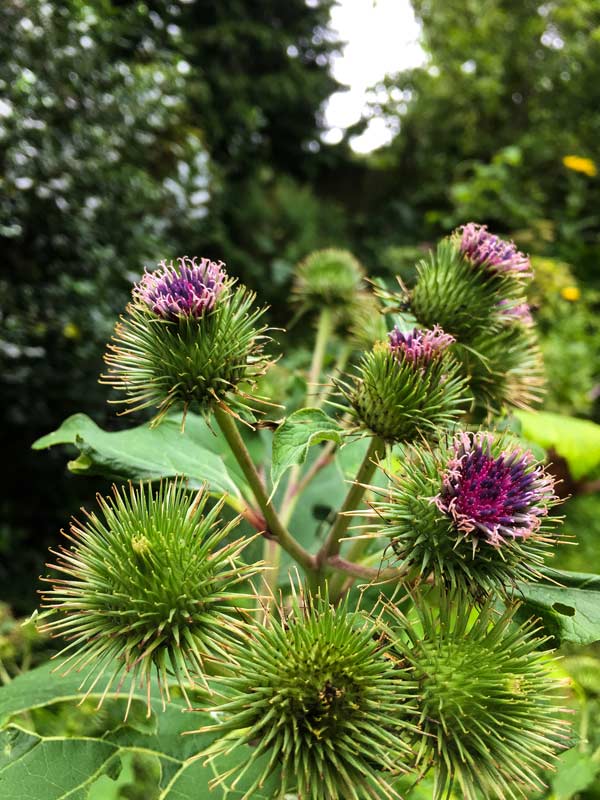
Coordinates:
570	611
576	440
70	767
150	453
300	431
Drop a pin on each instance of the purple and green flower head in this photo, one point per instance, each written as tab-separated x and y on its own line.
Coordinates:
498	497
485	249
473	512
408	386
419	346
189	289
190	338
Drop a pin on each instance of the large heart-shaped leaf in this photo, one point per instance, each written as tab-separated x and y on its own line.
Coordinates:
568	604
151	453
293	438
44	767
576	440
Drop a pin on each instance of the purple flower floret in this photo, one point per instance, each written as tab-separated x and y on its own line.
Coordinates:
499	497
487	250
419	345
187	290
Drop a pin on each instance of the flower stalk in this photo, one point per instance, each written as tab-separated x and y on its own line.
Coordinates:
355	494
275	528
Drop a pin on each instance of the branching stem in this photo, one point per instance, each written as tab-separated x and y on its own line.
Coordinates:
274	525
355	494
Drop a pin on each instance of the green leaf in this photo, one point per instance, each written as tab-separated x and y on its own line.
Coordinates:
570	611
576	440
293	438
575	771
75	767
38	687
145	453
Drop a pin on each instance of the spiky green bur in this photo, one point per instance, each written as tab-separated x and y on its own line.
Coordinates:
316	695
473	512
328	278
367	322
489	703
195	358
146	587
399	399
463	299
504	370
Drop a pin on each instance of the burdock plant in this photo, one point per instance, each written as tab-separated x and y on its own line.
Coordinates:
474	286
489	705
406	387
305	681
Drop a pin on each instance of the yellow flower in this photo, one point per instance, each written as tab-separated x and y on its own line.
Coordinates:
579	164
71	331
571	293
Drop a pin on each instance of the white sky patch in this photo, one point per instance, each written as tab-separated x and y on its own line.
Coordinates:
382	37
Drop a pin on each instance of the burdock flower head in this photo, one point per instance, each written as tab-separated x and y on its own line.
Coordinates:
189	338
419	347
464	283
497	497
328	278
315	696
188	290
485	250
473	512
147	587
407	386
490	706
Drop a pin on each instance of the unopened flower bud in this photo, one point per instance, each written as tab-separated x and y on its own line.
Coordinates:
490	706
146	587
316	693
328	278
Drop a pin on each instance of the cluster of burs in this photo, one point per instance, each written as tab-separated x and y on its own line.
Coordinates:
352	696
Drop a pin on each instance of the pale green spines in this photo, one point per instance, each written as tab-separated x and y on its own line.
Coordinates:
399	400
367	322
316	695
328	278
462	299
490	717
504	370
146	587
426	541
191	361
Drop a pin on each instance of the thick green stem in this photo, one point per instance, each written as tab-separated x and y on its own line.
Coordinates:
355	494
324	330
275	528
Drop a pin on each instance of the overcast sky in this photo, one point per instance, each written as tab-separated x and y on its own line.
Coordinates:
382	37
